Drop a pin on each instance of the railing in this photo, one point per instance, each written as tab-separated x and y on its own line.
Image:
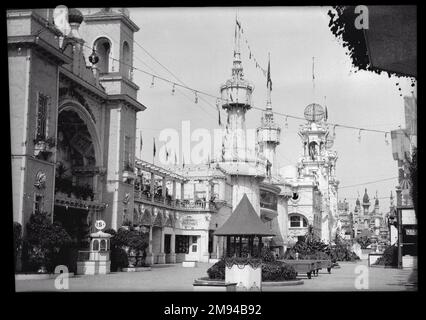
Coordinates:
178	204
83	255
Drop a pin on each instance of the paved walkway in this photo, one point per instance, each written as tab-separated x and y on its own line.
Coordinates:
176	278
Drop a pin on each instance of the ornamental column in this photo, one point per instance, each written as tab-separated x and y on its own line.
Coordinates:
172	256
161	255
150	257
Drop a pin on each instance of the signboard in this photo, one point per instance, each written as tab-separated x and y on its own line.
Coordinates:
100	224
189	222
408	216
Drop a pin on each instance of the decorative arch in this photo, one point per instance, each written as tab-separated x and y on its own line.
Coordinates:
126	58
103	47
85	116
297	220
146	218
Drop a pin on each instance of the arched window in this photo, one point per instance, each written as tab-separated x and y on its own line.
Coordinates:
298	221
103	50
126	60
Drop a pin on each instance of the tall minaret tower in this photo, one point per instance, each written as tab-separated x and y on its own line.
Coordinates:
268	134
238	158
318	162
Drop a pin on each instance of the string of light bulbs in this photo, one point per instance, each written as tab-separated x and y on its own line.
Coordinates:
197	92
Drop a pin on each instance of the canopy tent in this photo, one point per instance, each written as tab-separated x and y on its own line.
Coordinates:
244	222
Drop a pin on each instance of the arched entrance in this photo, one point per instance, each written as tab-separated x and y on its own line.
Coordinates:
76	183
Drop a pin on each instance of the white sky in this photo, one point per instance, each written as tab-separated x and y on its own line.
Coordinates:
196	44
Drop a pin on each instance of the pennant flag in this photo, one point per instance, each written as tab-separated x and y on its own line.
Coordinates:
167	154
326	113
141	141
154	150
269	81
238	23
220	122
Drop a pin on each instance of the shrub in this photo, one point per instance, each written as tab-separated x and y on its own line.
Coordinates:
217	271
271	271
17	240
390	257
119	259
43	241
277	271
131	239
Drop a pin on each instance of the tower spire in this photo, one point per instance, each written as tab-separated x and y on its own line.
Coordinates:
269	84
313	78
237	69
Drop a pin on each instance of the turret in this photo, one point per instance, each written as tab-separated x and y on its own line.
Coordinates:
268	134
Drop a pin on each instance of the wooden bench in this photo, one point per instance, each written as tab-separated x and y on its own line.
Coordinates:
303	266
325	264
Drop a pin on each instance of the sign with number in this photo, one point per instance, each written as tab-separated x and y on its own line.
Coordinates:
189	222
408	216
100	224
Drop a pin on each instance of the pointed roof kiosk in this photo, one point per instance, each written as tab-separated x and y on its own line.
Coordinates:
243	223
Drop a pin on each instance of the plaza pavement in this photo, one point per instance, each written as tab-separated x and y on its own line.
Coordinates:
176	278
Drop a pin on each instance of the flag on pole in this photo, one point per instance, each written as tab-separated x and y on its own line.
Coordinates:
167	154
154	150
141	143
183	161
269	81
326	113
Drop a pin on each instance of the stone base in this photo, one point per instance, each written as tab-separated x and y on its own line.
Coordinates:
189	264
212	285
161	258
409	262
149	259
93	267
246	278
136	269
170	258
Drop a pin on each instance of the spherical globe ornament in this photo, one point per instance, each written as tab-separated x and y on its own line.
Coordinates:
329	143
314	112
75	16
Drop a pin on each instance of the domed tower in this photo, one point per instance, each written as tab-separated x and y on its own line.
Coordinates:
268	134
238	160
236	100
365	203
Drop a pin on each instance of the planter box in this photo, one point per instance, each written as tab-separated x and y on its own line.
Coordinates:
136	269
246	277
373	257
409	262
213	285
93	267
189	264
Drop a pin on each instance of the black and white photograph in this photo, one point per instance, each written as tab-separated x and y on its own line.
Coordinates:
213	149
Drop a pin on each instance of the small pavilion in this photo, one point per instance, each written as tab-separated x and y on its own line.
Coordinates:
243	225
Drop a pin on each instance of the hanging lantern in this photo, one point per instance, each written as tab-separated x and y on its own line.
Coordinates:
93	58
152	82
173	89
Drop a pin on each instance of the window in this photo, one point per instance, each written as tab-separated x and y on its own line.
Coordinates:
38	203
297	221
182	244
41	129
103	50
127	154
